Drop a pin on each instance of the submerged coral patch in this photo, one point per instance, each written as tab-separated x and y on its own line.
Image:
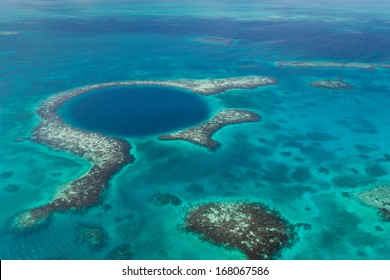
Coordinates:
351	181
121	252
252	228
166	199
6	174
376	170
358	125
94	237
332	84
11	188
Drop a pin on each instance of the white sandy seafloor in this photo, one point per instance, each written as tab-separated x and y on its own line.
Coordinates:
275	161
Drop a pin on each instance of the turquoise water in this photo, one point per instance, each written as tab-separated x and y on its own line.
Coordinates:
59	46
135	111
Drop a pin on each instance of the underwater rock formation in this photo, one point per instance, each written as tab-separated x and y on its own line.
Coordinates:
11	188
252	228
165	199
202	134
379	198
6	174
332	84
107	155
121	252
95	237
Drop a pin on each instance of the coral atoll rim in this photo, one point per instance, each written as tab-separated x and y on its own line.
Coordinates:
106	154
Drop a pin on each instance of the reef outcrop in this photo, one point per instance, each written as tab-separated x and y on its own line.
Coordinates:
107	155
121	252
252	228
162	199
94	237
330	64
202	134
338	84
379	198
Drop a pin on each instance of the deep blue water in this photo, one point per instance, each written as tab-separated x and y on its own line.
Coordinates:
59	46
136	111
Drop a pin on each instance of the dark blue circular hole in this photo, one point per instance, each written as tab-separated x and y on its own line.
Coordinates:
135	111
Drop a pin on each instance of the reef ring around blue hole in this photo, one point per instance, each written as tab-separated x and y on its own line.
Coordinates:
135	111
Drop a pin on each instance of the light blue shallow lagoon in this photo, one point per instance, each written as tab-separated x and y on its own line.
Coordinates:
312	151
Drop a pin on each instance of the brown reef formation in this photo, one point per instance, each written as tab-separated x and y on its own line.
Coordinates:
93	236
338	84
252	228
201	134
379	198
107	155
329	64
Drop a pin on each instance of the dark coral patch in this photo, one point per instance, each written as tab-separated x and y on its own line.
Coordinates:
121	252
95	237
347	181
166	199
358	125
304	226
252	228
11	188
301	174
385	214
368	148
6	174
376	170
323	170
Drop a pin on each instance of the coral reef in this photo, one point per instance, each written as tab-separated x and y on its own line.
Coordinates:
358	125
165	199
107	155
351	181
201	134
323	170
6	174
375	170
252	228
329	64
379	198
121	252
95	237
332	84
11	188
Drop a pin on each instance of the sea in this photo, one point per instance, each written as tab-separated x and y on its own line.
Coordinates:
312	151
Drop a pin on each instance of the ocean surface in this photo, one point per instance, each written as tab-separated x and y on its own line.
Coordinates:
300	159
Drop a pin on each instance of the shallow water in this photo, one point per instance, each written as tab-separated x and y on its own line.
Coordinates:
312	145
